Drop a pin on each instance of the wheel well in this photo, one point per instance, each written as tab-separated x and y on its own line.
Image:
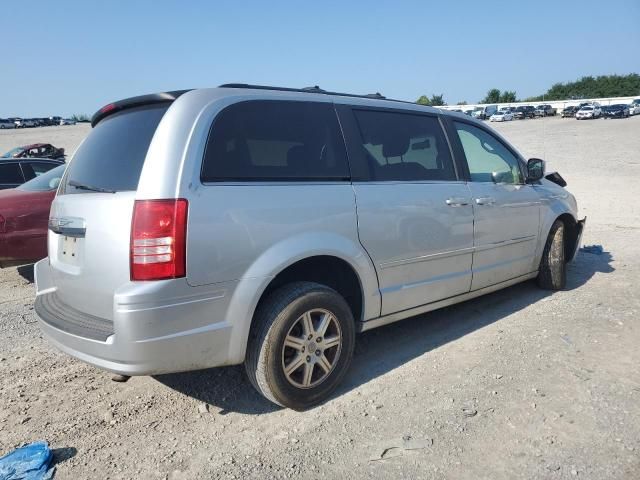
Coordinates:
326	270
571	232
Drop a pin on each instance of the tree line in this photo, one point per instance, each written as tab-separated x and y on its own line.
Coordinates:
586	87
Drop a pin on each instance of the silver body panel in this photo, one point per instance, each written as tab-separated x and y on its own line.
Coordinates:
411	250
422	246
506	232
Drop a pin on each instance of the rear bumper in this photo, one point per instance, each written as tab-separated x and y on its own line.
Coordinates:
157	327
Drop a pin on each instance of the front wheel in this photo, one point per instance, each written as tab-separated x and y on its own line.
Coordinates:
552	274
301	344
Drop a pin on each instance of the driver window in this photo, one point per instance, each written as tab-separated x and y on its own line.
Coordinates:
489	160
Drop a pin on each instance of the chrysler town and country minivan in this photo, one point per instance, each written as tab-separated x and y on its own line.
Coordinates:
269	226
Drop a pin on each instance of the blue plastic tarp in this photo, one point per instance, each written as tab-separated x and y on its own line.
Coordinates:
30	462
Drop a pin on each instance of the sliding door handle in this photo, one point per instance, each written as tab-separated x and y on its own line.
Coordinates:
457	201
485	201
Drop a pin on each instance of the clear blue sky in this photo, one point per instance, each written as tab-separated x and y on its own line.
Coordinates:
64	57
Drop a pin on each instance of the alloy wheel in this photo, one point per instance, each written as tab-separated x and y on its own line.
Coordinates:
311	348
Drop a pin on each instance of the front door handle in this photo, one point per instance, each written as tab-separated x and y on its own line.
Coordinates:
485	201
457	201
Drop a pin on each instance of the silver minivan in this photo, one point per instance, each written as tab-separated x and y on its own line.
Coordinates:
264	225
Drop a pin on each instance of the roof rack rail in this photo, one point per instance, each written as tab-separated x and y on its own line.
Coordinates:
314	89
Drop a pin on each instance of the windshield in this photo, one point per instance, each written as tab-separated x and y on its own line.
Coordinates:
13	152
587	108
112	156
44	182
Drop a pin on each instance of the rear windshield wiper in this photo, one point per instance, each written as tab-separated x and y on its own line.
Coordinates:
91	188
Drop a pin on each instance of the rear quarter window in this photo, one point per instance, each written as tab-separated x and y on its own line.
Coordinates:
275	141
113	153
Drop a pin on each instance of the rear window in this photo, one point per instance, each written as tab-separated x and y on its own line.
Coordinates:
35	169
275	141
10	173
47	181
112	155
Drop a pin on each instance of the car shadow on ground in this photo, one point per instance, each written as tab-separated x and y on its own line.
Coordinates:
381	350
26	272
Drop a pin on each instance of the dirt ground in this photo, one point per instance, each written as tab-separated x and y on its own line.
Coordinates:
522	383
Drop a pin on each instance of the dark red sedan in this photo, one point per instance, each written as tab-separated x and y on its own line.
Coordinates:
36	150
24	217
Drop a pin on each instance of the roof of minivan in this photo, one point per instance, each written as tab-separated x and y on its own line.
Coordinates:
238	89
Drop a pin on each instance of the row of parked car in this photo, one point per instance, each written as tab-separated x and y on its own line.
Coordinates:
16	122
592	110
587	110
500	114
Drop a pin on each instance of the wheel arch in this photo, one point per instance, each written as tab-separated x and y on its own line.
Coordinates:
295	259
571	234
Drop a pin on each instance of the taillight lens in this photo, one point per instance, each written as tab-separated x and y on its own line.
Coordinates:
158	239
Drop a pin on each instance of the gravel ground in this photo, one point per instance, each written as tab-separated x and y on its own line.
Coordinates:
522	383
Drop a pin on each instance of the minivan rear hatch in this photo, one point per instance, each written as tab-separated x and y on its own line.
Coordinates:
90	219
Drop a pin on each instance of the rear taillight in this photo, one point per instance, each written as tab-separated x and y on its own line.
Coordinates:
158	239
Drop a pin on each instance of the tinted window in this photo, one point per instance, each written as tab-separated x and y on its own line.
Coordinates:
400	146
10	173
273	140
112	155
47	181
34	169
488	158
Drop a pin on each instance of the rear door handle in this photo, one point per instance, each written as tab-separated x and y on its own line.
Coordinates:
485	201
457	201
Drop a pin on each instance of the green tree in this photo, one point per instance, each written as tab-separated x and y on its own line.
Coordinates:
437	100
463	102
592	87
493	96
508	97
80	117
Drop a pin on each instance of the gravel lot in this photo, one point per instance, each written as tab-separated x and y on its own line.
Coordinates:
522	383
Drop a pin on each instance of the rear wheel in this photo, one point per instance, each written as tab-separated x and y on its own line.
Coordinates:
552	274
301	344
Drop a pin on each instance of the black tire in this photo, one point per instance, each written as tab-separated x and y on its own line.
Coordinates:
273	321
552	274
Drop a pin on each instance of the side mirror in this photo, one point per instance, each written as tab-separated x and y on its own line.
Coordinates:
535	170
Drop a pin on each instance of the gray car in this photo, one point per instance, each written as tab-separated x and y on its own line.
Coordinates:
269	226
5	123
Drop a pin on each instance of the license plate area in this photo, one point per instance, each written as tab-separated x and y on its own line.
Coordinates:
69	250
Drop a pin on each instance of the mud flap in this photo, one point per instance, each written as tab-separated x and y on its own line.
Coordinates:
580	229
